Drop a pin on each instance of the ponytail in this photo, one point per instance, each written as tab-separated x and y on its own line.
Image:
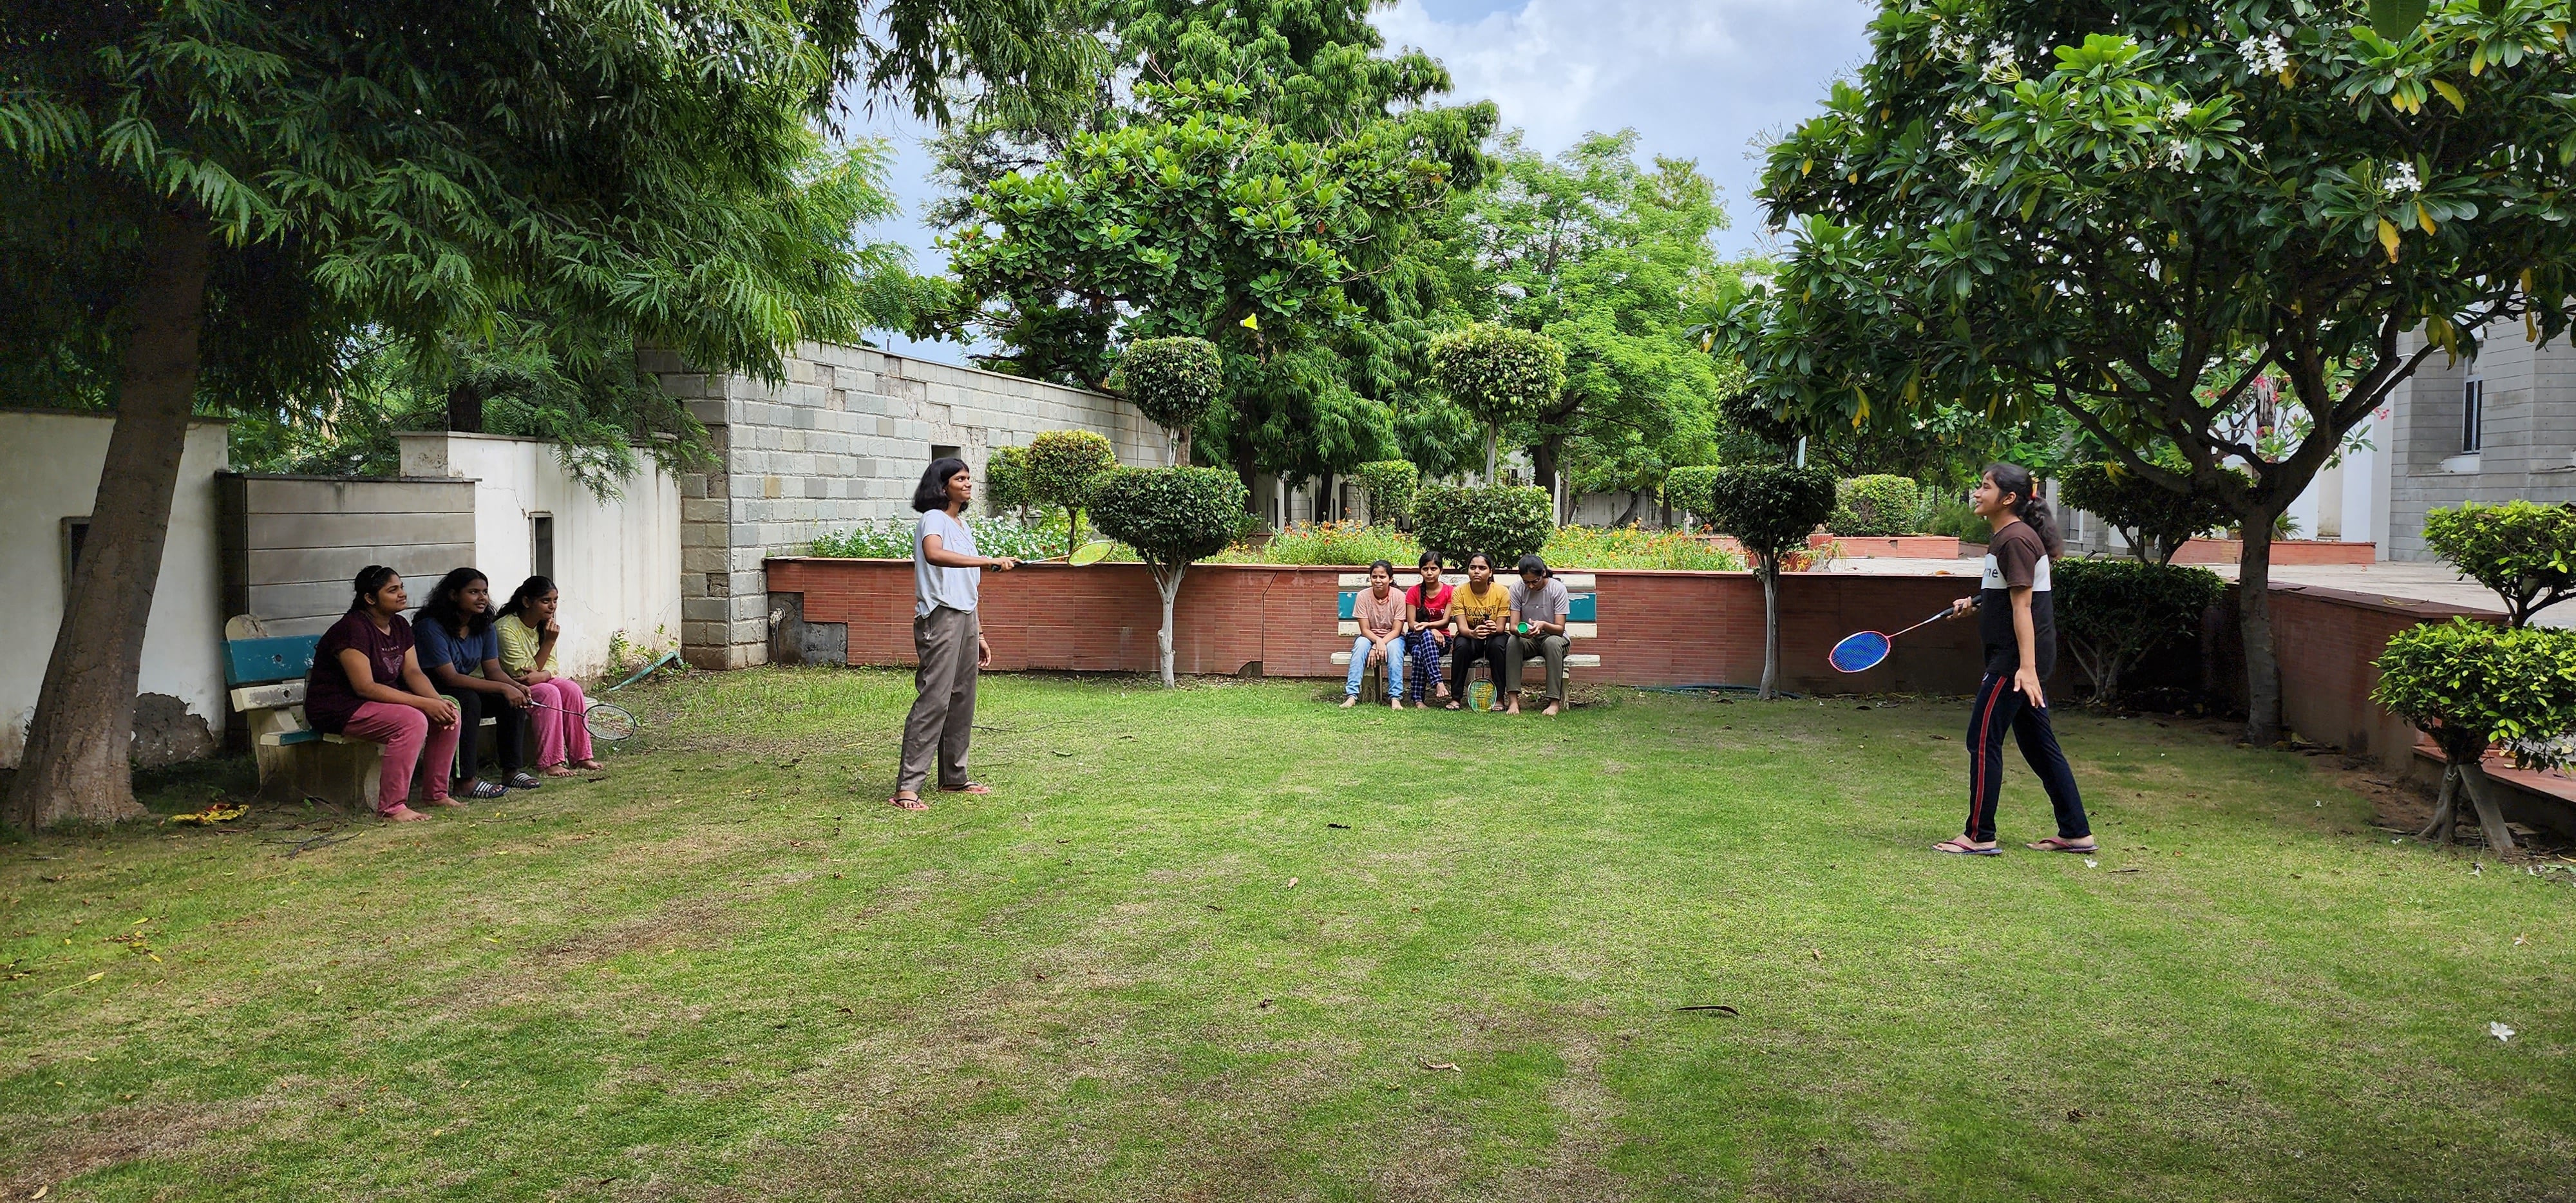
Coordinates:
2028	505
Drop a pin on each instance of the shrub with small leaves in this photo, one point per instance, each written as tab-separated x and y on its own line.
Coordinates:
1503	522
1392	485
1172	517
2524	550
2468	684
1174	382
1006	481
1771	509
2156	520
1498	373
2114	613
1063	466
1876	506
1688	489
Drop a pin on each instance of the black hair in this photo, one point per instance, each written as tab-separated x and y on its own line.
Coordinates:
1390	568
1531	563
932	492
371	581
2015	480
526	595
445	608
1428	559
1474	556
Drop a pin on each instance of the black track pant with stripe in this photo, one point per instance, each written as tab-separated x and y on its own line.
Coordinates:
2000	708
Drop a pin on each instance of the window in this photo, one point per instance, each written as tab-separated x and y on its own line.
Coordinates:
943	451
2473	416
541	545
75	534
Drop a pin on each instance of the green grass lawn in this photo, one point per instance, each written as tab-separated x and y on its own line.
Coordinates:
1226	942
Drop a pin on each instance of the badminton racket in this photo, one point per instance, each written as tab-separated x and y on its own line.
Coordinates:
607	721
1086	555
1861	651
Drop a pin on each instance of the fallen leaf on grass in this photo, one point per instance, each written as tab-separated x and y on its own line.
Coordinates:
2092	864
2130	869
1292	883
2517	941
1817	953
1447	1065
1720	1008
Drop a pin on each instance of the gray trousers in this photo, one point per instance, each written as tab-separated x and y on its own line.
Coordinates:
1548	647
943	717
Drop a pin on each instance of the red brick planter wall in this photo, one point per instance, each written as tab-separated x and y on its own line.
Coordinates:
1657	628
2284	551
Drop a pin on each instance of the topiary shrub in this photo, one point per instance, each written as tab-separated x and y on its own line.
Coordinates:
2113	613
1876	506
1498	373
2468	685
1502	522
2523	550
1062	466
2155	520
1174	382
1770	509
1006	483
1687	489
1392	485
1172	517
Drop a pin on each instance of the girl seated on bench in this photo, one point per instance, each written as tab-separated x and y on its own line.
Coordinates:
527	630
366	683
463	658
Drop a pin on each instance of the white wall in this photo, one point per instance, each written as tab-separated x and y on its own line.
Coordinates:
49	468
617	563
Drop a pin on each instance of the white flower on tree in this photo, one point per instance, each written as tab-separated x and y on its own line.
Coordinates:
2402	181
2265	55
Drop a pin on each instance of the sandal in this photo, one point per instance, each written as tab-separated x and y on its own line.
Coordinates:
488	790
971	787
2062	844
902	803
523	779
1959	846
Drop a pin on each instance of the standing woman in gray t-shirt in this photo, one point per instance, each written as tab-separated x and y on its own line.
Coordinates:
945	635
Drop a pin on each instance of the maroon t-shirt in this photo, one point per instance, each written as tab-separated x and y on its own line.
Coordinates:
329	701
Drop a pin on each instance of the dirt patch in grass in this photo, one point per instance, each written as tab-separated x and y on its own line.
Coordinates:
118	1135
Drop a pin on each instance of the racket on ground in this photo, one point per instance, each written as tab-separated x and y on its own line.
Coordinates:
606	721
1861	651
1086	555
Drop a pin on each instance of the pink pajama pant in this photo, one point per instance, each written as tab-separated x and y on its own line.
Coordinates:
561	725
410	742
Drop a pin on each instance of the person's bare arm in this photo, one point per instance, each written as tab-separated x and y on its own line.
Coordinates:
933	550
2025	636
537	674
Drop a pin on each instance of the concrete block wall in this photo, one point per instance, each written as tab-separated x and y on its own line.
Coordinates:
841	440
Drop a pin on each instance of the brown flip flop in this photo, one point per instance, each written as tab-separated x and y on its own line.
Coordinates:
907	804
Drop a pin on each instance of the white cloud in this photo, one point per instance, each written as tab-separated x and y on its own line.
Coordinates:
1697	79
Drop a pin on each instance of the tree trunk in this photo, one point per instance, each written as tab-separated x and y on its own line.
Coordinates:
2444	808
1244	471
77	767
1493	440
2481	791
1328	501
2254	613
1636	498
1770	574
1170	585
465	409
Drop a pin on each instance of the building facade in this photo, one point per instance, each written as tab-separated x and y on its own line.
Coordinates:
2495	428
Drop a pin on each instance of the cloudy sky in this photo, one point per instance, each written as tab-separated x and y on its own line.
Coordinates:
1697	79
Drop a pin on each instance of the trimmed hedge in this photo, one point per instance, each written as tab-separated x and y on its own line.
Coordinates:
1503	522
1006	481
1174	382
1063	466
2156	520
1874	506
1170	515
1690	489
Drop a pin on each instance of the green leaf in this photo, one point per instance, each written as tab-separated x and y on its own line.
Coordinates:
2394	19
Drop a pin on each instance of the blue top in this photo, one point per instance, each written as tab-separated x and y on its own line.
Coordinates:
467	653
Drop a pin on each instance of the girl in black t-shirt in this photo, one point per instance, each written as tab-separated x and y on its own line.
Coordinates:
2016	616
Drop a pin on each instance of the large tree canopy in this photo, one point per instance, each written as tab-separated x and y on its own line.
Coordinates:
2136	213
1613	261
200	201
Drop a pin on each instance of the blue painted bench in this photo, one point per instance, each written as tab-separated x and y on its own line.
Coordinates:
266	676
1582	621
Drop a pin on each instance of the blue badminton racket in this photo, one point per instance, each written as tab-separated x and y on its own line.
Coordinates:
1863	650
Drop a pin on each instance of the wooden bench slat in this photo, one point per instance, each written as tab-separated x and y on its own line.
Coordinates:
261	661
268	697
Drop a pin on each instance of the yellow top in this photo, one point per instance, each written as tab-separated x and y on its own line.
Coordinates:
519	646
1472	607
